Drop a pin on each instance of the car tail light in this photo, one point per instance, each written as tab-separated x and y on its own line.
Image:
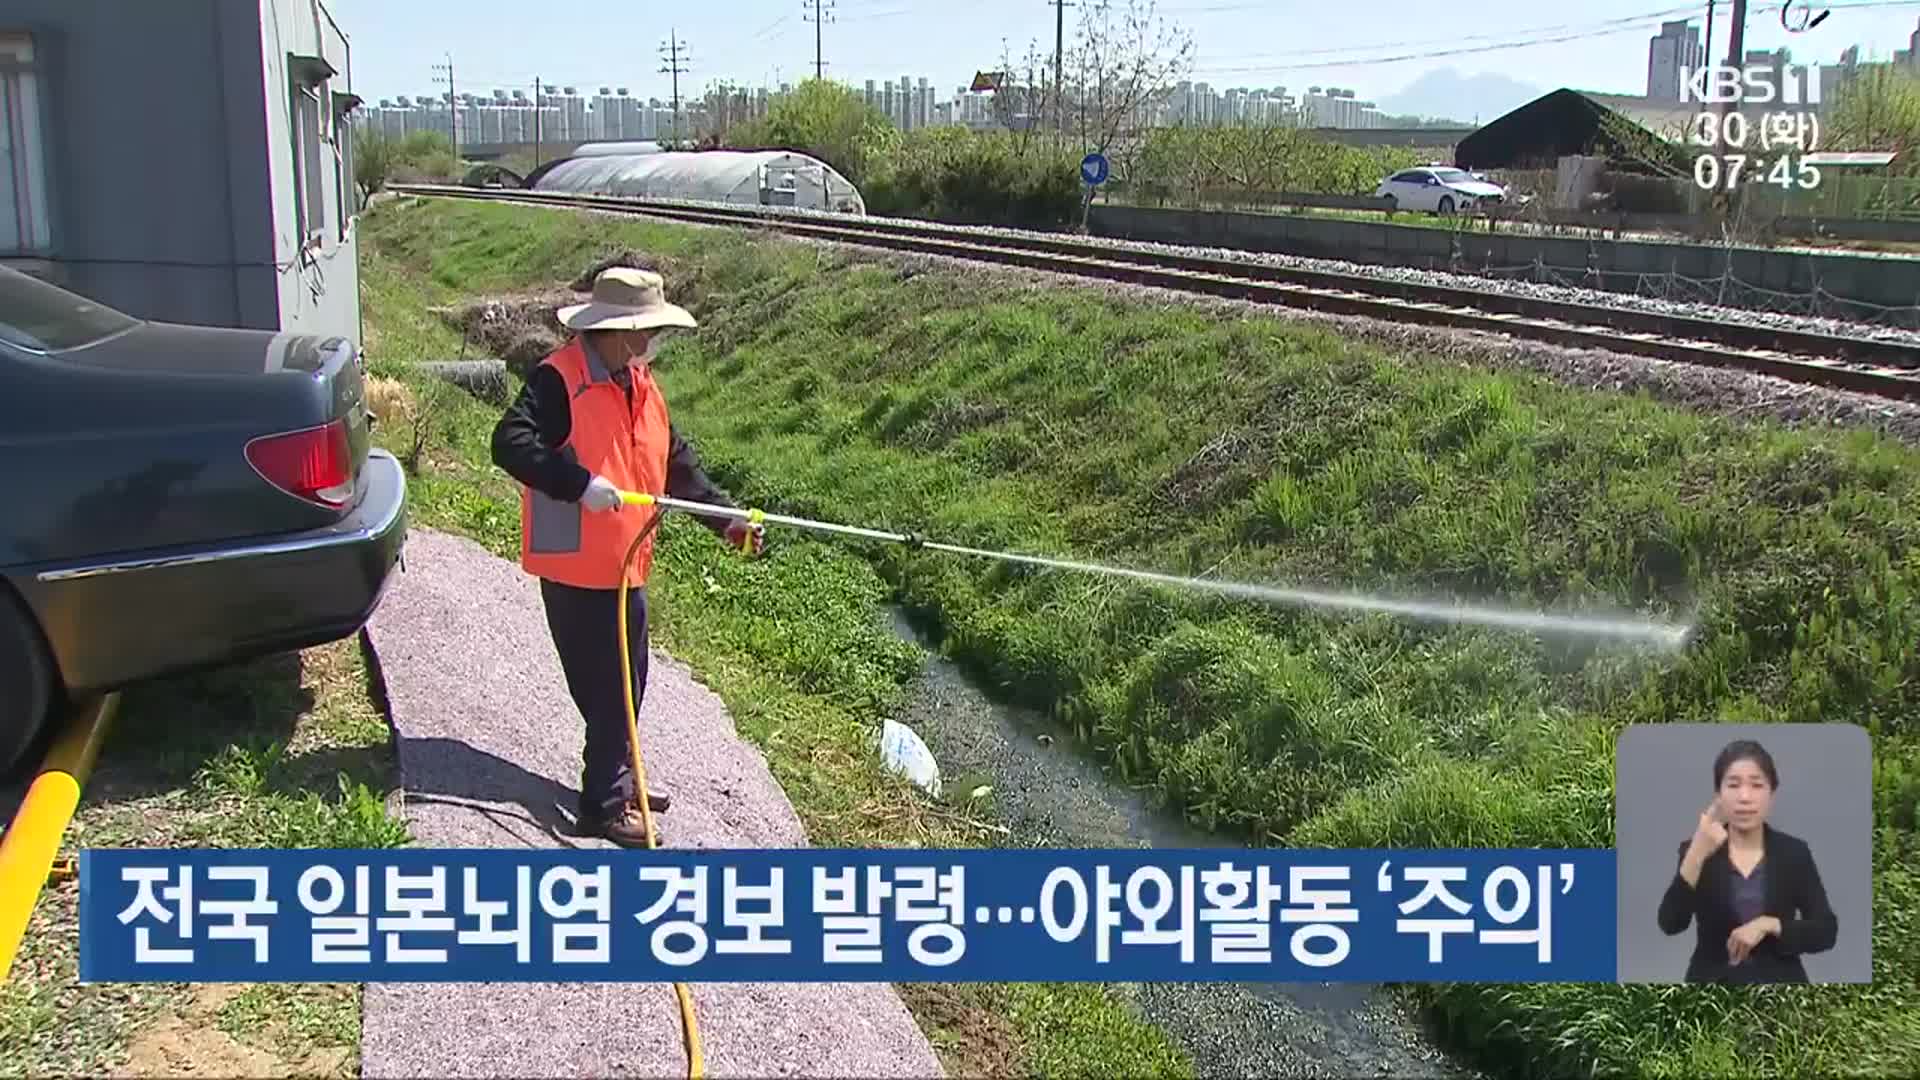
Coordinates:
314	464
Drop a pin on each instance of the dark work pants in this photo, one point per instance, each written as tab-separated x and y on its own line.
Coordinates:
586	633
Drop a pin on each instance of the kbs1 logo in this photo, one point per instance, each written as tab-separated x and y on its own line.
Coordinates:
1759	84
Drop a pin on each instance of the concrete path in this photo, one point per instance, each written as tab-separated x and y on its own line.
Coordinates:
489	747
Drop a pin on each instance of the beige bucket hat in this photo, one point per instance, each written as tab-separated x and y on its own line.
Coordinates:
626	299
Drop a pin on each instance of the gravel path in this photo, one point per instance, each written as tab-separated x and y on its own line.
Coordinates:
489	748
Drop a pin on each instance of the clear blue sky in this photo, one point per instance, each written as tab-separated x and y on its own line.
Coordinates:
506	43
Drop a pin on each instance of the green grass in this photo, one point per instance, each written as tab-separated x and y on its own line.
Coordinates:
289	751
1070	422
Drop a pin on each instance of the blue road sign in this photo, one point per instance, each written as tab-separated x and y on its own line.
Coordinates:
1093	169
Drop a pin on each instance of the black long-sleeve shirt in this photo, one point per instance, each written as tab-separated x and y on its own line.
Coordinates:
541	418
1791	891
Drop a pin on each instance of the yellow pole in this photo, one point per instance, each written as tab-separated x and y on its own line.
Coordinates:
28	847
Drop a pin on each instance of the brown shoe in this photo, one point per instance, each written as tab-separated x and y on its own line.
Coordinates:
629	829
589	821
591	818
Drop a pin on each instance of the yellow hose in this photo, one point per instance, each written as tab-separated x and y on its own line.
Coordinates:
696	1066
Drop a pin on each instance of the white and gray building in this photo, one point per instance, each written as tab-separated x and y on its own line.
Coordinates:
230	202
1673	53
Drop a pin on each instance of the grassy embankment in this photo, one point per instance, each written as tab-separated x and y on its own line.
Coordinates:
290	751
1072	422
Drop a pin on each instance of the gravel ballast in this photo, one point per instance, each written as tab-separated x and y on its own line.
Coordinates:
489	752
1740	396
1780	311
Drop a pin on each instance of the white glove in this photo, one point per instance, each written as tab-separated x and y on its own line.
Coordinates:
600	494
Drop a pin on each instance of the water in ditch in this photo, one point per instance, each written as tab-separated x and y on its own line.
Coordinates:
1050	794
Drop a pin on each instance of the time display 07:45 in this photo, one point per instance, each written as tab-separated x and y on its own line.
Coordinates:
1781	138
1728	171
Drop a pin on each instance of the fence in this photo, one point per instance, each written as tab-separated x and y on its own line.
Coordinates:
1873	209
1875	289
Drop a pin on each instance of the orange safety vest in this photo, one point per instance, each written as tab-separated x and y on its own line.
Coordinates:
566	542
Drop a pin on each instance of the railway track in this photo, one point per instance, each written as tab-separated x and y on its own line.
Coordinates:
1868	366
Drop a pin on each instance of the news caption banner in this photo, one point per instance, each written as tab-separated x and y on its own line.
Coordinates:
846	915
1779	145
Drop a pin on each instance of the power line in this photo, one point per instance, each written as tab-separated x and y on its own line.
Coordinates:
1283	57
1451	38
1522	44
768	29
1406	57
862	9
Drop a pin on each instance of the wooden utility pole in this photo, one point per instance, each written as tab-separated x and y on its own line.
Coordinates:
538	106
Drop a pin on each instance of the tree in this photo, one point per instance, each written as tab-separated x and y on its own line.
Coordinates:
1120	71
1019	100
727	109
1878	109
826	120
373	155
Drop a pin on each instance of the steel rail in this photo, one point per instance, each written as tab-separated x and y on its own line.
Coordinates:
1868	366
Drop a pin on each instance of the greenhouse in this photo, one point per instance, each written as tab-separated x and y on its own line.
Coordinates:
757	178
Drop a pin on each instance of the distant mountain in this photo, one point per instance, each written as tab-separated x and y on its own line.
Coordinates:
1450	95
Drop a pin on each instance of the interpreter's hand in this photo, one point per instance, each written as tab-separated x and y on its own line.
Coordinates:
600	494
1710	832
741	534
1741	943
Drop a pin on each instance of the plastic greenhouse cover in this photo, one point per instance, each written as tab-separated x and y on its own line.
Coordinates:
713	175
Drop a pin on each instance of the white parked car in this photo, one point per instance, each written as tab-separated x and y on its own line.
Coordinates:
1440	189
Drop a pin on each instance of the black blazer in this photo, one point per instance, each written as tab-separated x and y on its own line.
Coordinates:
1795	896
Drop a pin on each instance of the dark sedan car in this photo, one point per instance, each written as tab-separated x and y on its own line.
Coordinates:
176	498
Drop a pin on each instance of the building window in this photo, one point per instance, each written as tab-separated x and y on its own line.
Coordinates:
346	196
310	210
24	223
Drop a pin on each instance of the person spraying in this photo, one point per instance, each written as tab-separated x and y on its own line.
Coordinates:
589	424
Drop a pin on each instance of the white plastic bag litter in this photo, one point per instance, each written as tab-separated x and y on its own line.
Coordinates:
904	752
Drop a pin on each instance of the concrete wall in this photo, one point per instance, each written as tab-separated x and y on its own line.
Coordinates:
168	161
316	281
1861	279
144	109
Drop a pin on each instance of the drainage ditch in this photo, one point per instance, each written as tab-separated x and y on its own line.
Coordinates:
1049	794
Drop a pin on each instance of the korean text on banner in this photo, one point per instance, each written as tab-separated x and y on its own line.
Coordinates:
840	915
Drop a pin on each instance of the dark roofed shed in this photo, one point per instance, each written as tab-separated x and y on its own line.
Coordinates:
1633	134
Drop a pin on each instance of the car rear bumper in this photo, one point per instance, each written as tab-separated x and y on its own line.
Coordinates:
142	615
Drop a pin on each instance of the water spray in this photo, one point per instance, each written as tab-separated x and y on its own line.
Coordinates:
1660	634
